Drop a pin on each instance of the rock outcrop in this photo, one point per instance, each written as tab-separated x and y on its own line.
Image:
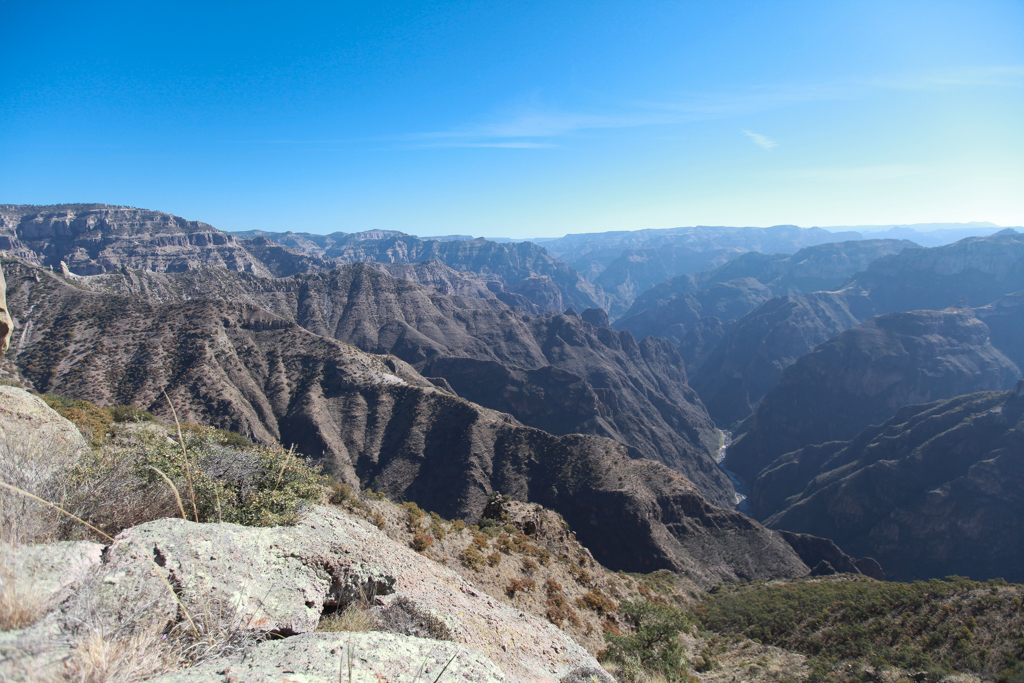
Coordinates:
936	490
864	375
327	656
280	580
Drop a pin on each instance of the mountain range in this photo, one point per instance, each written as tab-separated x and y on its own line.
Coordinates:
589	374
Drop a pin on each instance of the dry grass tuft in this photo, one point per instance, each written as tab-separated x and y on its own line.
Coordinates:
21	602
98	658
355	617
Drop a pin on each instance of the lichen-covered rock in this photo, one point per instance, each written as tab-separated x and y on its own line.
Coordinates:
281	579
55	569
323	657
24	416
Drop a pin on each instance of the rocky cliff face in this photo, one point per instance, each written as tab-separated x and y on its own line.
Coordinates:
372	419
864	375
725	301
936	490
96	238
980	269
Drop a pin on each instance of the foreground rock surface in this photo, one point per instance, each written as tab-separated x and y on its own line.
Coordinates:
280	580
323	657
25	417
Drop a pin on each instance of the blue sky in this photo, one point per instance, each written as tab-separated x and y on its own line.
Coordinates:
517	118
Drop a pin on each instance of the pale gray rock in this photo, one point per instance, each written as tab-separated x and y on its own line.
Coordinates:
24	416
323	657
280	580
6	325
55	570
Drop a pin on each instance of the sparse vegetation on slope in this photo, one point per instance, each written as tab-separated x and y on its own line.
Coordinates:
139	470
850	624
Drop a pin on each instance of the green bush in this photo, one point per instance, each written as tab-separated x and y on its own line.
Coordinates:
121	485
927	626
652	645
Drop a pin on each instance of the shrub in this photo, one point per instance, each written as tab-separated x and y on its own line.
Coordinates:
131	414
598	601
355	617
558	609
471	557
518	586
421	541
653	645
123	483
21	601
92	421
340	493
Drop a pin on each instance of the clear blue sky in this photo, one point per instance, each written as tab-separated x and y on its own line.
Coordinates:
517	118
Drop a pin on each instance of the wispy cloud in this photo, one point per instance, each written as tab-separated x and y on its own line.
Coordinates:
525	128
760	140
537	127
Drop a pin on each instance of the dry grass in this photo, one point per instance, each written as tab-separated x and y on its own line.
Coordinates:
22	603
101	659
34	464
355	617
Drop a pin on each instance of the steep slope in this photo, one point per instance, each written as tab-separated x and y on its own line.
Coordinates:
864	375
372	419
96	238
554	372
936	490
749	360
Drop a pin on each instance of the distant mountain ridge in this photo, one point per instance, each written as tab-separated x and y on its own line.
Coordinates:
97	238
748	360
936	490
